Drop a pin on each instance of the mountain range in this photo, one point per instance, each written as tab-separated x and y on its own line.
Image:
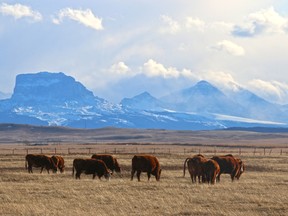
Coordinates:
46	98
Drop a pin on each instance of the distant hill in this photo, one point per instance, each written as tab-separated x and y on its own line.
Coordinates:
44	135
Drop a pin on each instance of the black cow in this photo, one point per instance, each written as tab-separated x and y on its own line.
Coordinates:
42	161
90	166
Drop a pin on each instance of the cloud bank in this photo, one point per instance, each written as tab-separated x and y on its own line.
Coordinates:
274	91
264	21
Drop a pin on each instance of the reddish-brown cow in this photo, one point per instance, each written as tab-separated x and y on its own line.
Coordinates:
241	168
42	161
110	161
90	166
195	167
211	169
228	164
145	163
59	161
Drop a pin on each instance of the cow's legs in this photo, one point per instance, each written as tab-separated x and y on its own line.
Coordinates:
41	169
233	174
77	176
208	178
138	174
213	180
199	178
218	177
132	174
30	169
149	175
192	178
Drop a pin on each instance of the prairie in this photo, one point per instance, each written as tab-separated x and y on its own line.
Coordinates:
261	190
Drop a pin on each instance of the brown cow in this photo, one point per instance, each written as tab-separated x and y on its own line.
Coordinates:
109	160
210	171
228	164
145	163
90	166
241	168
185	162
195	167
42	161
59	161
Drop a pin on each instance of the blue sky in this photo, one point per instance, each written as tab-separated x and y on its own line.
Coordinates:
121	48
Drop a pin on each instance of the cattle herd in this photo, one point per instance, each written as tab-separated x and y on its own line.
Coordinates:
205	169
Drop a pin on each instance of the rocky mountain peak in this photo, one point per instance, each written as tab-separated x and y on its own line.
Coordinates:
46	86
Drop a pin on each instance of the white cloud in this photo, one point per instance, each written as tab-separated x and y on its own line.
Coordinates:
172	26
263	21
120	68
270	90
152	69
195	23
19	11
229	47
223	80
85	17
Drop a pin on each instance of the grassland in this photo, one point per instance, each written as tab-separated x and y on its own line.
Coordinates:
262	190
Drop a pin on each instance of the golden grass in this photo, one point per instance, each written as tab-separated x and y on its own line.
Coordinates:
262	190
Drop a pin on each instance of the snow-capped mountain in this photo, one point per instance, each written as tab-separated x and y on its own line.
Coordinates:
57	99
202	98
54	88
143	101
54	98
257	107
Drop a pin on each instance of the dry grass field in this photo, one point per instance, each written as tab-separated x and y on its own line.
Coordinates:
262	190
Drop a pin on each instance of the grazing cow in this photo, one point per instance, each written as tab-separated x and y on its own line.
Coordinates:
145	163
109	160
196	167
90	166
42	161
59	161
187	159
241	168
210	171
228	164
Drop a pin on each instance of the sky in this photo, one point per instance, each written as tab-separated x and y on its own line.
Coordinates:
121	48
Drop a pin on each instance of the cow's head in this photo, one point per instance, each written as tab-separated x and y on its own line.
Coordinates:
107	175
158	175
118	169
241	168
53	166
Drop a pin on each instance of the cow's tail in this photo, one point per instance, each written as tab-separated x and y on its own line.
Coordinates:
73	170
26	164
184	168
